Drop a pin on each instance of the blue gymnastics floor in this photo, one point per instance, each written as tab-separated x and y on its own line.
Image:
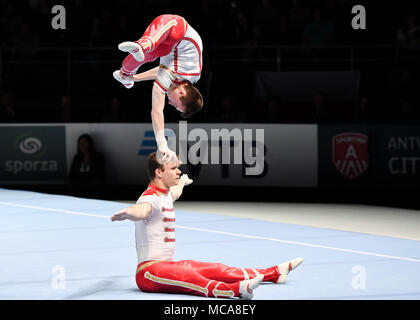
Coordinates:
60	247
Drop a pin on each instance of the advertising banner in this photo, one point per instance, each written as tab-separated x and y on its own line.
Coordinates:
398	155
344	155
212	154
32	154
369	155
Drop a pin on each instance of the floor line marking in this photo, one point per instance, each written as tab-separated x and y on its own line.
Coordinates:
11	204
306	244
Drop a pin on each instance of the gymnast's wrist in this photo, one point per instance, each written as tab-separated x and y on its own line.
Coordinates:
162	144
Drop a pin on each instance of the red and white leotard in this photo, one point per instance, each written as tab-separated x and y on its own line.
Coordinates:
179	47
158	272
184	62
155	237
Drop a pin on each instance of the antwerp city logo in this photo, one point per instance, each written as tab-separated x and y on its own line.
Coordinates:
350	153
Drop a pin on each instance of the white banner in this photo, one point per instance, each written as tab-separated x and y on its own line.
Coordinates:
290	158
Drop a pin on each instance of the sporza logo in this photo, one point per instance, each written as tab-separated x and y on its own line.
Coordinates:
30	145
32	153
32	160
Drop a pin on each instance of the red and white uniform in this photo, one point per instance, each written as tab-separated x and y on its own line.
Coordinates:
155	237
177	44
156	270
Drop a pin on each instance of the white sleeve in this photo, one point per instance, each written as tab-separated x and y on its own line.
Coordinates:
150	199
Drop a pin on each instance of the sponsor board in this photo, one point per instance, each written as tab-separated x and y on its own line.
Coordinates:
31	154
399	149
344	156
369	155
287	158
350	153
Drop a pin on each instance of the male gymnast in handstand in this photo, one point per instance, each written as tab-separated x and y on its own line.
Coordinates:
179	47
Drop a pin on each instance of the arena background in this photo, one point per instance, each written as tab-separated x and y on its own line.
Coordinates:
295	68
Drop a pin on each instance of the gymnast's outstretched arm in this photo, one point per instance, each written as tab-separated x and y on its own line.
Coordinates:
135	212
147	75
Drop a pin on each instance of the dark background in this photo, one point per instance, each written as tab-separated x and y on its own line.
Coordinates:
49	75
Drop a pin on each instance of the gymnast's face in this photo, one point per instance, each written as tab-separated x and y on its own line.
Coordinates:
170	174
175	93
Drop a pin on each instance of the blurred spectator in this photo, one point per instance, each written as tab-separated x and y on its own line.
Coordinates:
241	115
123	26
221	23
10	22
43	6
408	112
283	32
299	15
267	17
255	40
242	28
115	112
320	105
362	110
25	42
109	27
273	111
400	82
227	109
98	36
409	34
232	110
7	111
66	109
219	28
88	165
318	32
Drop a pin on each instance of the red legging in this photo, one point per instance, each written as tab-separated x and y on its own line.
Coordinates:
157	41
197	278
